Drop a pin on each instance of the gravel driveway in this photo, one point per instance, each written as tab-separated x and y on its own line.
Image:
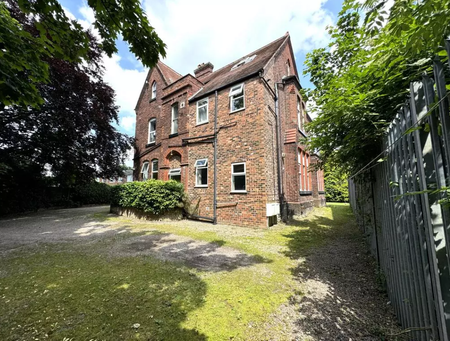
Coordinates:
87	223
51	226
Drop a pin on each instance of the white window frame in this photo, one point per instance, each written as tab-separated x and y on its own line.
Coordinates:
172	125
237	92
130	178
201	164
174	172
151	133
233	174
154	90
201	106
153	172
144	170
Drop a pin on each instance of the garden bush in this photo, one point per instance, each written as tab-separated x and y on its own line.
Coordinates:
92	193
151	196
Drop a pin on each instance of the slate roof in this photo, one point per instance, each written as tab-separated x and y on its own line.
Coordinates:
226	76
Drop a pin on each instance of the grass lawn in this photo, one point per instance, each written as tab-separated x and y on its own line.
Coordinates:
79	291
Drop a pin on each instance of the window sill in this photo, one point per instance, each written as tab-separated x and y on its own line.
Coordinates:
152	100
173	135
232	112
305	192
201	186
321	192
302	132
238	192
150	144
202	123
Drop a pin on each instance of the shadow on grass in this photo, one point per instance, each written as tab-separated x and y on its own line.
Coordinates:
69	295
341	299
201	255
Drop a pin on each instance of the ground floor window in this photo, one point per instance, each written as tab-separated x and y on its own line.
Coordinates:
201	173
144	171
155	169
238	177
175	174
304	173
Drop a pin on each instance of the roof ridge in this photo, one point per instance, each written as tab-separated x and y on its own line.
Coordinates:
233	62
170	68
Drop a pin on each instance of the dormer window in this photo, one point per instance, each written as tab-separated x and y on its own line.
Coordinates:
152	130
237	98
243	61
154	90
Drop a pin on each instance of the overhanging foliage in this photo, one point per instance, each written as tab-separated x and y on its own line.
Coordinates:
362	78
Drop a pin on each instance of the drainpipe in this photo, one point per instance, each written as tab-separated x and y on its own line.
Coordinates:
280	169
278	134
215	162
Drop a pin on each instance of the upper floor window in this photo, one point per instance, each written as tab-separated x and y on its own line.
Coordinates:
152	130
201	173
299	115
237	97
238	177
202	111
174	125
155	169
144	170
288	67
154	90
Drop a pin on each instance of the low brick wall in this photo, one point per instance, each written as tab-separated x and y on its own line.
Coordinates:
175	214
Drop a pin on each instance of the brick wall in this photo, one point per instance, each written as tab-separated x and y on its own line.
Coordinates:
246	136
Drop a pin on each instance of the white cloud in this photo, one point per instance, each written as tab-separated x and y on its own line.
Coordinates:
127	83
199	31
128	123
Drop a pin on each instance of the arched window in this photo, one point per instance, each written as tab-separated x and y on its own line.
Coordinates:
154	90
155	169
288	67
152	130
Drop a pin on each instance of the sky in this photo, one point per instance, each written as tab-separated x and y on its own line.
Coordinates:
199	31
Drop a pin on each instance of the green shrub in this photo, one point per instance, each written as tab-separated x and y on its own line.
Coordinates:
336	185
91	193
151	196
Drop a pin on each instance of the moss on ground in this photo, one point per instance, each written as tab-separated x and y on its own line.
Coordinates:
75	291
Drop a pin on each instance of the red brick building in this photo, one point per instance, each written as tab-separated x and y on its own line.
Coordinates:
231	136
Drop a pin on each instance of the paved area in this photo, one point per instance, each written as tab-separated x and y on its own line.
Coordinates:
88	223
51	226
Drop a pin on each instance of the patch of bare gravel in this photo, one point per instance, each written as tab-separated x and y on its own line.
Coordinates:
212	256
338	297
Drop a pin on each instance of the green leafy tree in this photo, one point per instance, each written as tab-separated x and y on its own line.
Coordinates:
336	184
23	53
66	141
363	76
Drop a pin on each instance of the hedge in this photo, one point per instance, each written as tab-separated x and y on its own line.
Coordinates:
151	196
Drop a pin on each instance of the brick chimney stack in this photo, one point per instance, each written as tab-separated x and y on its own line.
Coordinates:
203	71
